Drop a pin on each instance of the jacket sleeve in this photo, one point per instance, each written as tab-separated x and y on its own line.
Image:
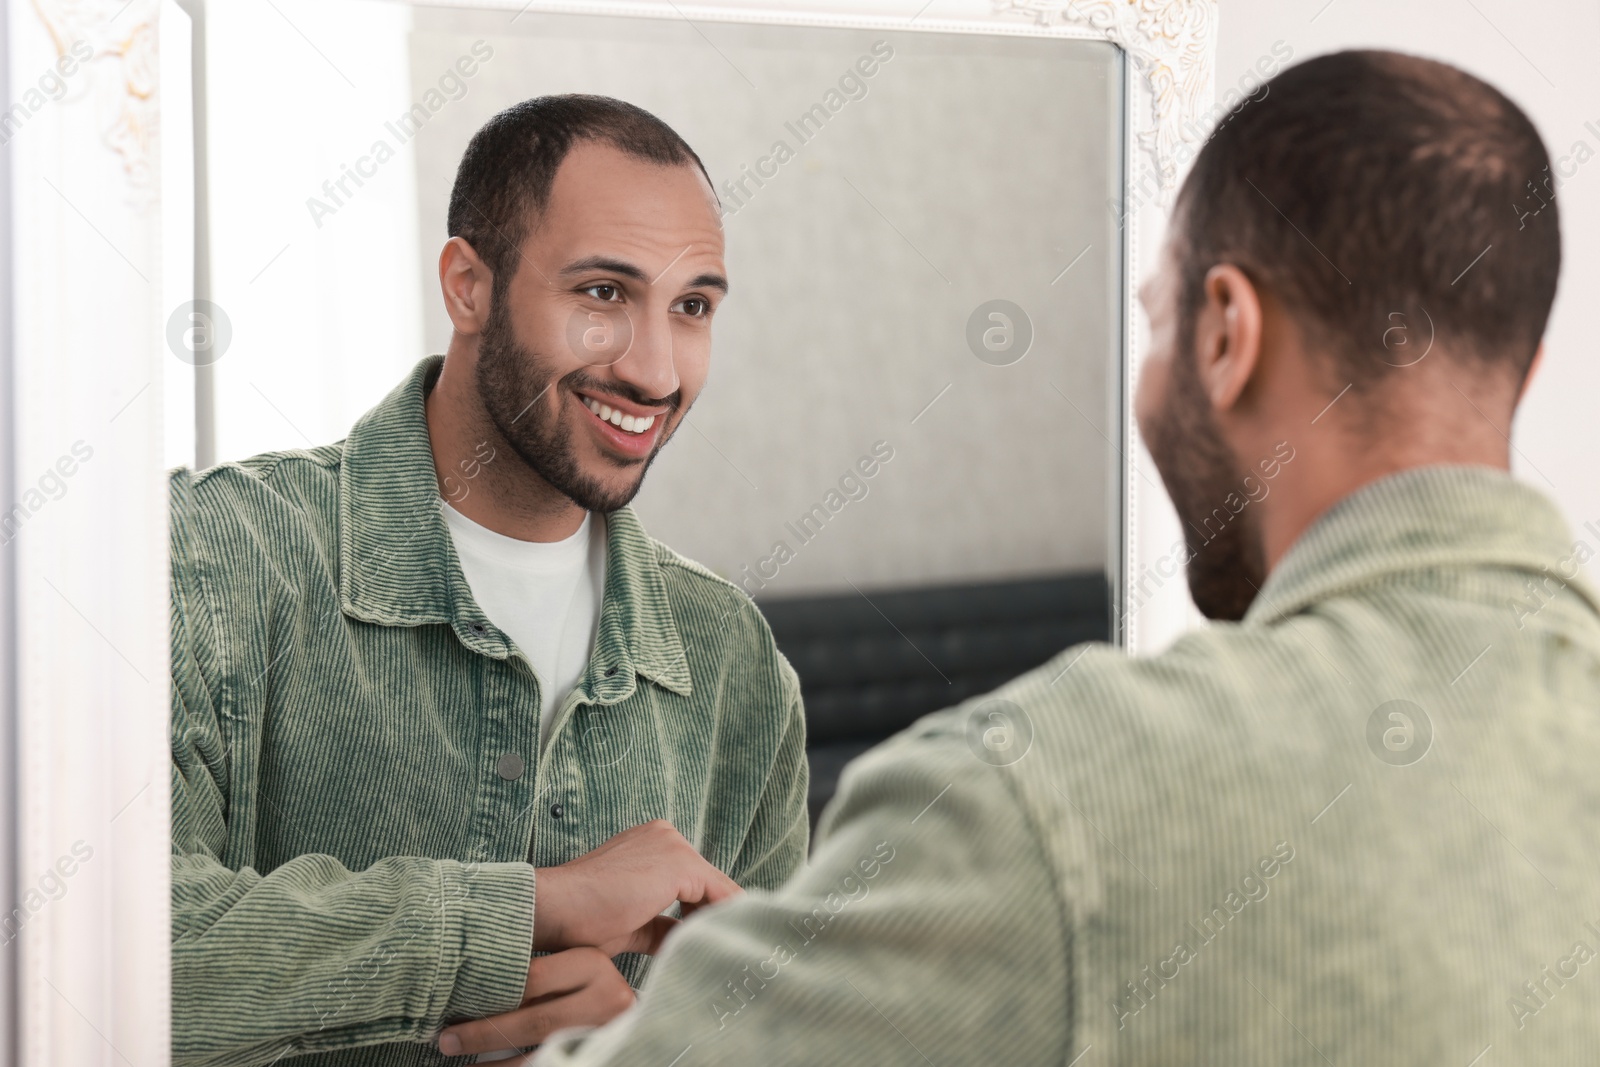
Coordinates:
781	830
925	928
312	956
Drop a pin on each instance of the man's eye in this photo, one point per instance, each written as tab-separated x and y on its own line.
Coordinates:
607	293
694	306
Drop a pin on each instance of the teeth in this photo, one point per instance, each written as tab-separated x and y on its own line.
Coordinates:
626	423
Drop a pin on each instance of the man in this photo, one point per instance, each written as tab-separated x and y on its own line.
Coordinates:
438	701
1352	823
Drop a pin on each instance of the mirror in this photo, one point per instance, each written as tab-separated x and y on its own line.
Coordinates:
904	451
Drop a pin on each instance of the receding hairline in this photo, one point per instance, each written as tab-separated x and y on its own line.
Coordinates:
507	173
540	212
597	139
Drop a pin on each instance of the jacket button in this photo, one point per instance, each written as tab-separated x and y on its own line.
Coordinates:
555	811
509	766
477	627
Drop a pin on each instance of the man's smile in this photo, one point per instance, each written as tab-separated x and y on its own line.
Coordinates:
625	427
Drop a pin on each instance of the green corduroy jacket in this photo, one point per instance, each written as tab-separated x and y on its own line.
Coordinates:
358	798
1361	827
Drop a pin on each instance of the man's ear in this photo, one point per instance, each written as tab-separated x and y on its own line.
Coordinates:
1227	335
467	284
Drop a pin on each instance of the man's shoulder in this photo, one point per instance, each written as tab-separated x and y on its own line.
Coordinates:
1211	664
693	580
1227	690
712	612
282	474
279	497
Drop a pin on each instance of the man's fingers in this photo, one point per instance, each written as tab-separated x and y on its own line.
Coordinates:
514	1029
646	939
717	888
593	1005
607	897
564	972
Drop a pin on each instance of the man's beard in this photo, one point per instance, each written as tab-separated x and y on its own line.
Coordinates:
1226	568
512	382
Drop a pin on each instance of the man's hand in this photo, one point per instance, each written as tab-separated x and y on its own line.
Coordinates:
612	898
578	987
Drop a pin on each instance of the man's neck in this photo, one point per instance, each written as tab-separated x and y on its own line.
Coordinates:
481	475
1331	465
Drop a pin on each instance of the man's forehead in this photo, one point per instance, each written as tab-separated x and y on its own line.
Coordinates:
621	236
598	183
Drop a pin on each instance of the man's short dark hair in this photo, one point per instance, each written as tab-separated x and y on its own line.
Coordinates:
504	180
1370	190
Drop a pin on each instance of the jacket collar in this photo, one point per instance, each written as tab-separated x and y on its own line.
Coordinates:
398	564
1426	517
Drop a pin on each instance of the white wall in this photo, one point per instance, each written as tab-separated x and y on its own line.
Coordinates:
324	321
1542	54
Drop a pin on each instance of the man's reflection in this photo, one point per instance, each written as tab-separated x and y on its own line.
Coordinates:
411	667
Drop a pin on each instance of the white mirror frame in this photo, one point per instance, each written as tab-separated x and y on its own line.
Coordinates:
88	983
87	784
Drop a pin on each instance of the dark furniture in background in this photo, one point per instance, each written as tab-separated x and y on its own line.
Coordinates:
870	667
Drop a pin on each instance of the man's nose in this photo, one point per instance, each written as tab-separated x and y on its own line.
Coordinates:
649	365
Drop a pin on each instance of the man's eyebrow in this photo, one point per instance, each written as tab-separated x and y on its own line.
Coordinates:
614	266
709	281
623	268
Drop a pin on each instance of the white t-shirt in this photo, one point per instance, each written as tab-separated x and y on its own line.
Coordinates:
545	595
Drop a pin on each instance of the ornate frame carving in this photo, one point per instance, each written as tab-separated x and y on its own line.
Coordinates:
124	33
1172	43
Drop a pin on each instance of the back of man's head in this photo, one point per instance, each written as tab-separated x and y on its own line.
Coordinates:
1368	189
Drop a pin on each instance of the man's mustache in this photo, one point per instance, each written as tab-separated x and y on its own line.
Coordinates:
577	381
